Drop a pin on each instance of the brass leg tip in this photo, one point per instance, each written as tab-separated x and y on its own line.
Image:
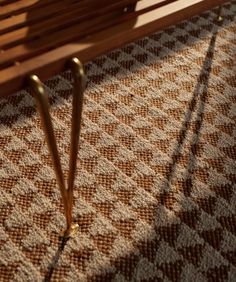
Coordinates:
72	231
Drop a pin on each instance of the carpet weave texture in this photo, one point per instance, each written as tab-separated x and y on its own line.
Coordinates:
155	194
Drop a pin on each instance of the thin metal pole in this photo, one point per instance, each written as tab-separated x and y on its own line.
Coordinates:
44	110
77	107
219	16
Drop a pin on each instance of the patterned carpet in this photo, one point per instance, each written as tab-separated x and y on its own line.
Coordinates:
155	195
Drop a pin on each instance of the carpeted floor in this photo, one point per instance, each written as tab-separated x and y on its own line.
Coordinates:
155	195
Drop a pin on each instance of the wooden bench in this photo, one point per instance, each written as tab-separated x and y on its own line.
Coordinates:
38	37
42	38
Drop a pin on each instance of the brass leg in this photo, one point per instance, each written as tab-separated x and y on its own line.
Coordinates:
219	16
77	106
43	108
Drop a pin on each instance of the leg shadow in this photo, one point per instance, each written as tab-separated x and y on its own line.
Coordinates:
200	93
55	259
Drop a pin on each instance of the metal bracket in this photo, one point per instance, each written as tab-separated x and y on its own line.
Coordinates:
44	111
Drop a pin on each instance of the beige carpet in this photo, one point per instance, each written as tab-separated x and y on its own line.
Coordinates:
155	195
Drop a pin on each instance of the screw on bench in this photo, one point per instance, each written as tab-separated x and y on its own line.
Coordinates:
43	108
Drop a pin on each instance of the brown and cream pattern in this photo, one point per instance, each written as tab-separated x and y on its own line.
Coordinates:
155	195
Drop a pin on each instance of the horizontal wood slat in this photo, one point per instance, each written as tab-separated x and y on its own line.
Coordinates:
85	28
68	17
22	19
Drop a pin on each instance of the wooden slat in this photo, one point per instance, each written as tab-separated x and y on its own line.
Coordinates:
35	16
6	2
23	19
48	64
21	6
68	17
102	18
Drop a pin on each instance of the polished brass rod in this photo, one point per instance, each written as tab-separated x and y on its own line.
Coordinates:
219	15
43	108
77	107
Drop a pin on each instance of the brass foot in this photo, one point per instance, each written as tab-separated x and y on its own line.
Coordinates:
71	232
44	111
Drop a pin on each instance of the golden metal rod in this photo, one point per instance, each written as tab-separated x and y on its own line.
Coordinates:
219	15
77	107
43	108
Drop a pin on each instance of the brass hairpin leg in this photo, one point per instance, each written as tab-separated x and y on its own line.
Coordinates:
43	108
219	15
77	107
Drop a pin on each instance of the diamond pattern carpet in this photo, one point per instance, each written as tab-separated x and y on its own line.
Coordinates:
155	194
